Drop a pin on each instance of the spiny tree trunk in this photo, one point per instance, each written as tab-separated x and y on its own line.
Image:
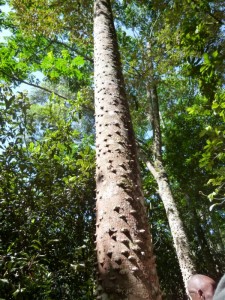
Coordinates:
126	265
157	169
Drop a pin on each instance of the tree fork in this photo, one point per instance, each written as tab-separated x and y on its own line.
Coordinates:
126	265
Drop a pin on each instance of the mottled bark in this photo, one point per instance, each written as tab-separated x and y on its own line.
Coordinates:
157	169
180	240
126	265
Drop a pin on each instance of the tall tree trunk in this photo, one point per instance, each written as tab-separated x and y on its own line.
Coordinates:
126	265
157	169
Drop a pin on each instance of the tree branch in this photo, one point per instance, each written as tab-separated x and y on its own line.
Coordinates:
151	168
209	13
34	85
72	49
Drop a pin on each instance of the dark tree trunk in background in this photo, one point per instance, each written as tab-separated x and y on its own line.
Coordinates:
126	265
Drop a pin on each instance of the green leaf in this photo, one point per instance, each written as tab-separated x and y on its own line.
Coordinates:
78	61
206	59
215	54
18	291
4	280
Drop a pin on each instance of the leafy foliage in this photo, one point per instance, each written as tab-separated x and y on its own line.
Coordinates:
46	208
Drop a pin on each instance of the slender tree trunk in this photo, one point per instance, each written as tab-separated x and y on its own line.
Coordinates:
157	169
126	265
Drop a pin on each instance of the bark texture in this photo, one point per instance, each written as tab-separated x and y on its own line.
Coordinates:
158	171
126	265
180	240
